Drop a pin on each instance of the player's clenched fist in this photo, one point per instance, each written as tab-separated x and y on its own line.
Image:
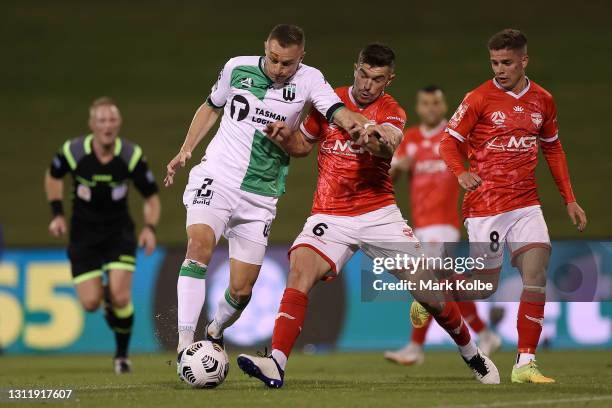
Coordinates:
178	161
469	181
57	227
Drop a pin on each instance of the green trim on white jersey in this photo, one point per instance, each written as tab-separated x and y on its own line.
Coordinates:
240	155
268	168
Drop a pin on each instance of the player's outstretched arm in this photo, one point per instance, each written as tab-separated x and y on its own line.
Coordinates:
151	212
557	163
204	119
450	151
295	143
54	188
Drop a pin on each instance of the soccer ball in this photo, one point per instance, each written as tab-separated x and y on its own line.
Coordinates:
204	365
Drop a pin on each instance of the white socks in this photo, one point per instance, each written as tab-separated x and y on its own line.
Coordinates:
228	311
185	339
280	358
524	358
469	350
191	292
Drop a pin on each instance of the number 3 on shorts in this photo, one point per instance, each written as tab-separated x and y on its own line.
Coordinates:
204	192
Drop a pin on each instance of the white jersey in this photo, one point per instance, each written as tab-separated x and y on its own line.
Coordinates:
240	155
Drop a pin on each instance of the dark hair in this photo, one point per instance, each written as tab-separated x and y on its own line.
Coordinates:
431	89
377	55
287	35
509	39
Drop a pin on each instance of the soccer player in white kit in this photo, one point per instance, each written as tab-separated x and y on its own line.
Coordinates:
234	189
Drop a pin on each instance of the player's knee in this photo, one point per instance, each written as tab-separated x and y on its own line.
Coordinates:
535	276
91	304
241	292
120	299
301	277
199	249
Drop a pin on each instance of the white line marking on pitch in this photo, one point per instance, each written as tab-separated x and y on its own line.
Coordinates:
535	402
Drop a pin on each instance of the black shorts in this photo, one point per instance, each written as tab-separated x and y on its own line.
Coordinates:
95	249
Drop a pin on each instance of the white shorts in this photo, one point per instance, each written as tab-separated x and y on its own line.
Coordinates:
243	218
438	233
380	233
522	229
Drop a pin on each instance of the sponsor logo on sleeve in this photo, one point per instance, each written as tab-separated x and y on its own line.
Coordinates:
459	114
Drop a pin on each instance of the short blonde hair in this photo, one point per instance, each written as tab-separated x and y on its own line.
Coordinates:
102	101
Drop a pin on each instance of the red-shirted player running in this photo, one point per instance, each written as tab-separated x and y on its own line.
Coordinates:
354	208
503	122
433	203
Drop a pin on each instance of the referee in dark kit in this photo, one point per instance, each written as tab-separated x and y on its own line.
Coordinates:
102	239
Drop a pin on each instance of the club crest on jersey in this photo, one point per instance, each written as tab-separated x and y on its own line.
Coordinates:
289	91
459	114
498	118
536	118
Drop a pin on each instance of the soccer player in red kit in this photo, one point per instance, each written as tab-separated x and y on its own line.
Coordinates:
354	208
434	194
503	122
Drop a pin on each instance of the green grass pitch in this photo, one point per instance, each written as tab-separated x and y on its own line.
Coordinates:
584	378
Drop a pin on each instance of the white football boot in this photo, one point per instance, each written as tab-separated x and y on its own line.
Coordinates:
265	369
411	354
489	341
483	368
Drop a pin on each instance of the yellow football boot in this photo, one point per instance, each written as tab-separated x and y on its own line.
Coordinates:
418	315
529	373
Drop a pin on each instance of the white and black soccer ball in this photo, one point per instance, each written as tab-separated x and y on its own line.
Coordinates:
204	365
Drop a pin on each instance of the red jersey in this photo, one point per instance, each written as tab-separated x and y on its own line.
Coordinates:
351	180
503	131
434	190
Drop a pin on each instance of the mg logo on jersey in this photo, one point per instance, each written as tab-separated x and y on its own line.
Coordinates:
514	144
537	119
518	109
239	108
289	91
498	118
342	147
524	142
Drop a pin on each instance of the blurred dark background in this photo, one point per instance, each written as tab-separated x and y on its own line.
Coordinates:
159	59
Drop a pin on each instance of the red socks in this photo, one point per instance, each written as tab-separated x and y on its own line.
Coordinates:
289	320
450	320
470	315
529	321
